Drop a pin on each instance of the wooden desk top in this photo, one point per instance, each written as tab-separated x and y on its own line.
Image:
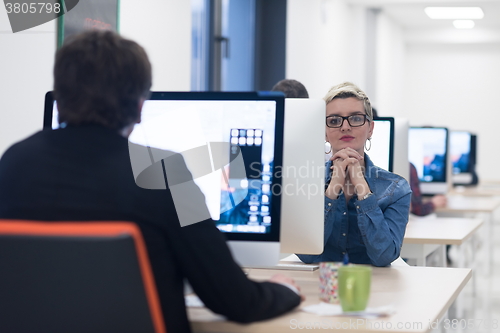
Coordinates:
420	295
440	230
467	204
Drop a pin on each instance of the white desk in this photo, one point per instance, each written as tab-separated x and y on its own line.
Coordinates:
421	295
481	190
426	235
469	204
476	191
482	207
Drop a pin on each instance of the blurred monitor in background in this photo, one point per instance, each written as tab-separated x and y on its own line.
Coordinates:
382	143
428	152
391	144
463	158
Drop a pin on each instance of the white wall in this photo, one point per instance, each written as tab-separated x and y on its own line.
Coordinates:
456	85
163	28
442	78
26	60
390	68
325	44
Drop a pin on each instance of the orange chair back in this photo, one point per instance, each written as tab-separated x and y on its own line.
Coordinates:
59	275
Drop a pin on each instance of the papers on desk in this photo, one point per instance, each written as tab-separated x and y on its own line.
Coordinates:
325	309
193	301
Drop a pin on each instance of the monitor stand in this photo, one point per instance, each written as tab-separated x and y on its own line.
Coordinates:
266	255
462	178
254	254
433	188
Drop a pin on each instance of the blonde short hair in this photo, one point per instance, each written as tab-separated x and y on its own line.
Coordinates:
346	90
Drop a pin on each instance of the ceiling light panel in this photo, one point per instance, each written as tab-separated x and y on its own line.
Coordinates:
463	24
454	13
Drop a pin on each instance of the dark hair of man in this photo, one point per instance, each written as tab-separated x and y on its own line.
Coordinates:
99	78
291	89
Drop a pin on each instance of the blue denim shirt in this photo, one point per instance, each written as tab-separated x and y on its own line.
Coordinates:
371	231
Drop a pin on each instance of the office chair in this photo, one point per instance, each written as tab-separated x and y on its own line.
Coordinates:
62	277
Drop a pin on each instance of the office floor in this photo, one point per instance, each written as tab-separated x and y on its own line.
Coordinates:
481	307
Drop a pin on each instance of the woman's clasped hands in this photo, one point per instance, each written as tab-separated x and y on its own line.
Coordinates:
347	175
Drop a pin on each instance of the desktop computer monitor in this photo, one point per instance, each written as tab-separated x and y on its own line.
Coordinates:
382	143
232	143
389	147
303	183
473	157
463	157
428	151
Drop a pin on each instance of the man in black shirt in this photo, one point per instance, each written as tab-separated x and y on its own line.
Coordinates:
82	172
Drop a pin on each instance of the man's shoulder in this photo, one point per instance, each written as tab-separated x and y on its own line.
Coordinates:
24	146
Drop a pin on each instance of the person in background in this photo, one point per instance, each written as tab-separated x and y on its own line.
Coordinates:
418	206
366	207
291	88
83	172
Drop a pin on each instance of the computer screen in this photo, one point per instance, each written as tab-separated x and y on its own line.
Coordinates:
428	151
382	143
460	144
232	143
463	157
50	114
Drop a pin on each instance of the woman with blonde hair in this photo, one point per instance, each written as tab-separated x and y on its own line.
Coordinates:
366	207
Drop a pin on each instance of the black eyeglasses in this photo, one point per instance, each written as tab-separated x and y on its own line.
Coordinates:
355	120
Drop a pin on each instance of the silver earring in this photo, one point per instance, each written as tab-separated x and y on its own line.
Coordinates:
328	152
370	141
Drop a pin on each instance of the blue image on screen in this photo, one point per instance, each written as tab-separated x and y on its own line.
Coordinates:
428	152
460	148
435	170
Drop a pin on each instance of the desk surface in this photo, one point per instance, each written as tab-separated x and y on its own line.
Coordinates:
420	295
476	192
440	230
468	204
486	189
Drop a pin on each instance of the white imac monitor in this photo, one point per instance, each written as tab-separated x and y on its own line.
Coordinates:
463	157
382	143
428	151
232	144
303	184
401	163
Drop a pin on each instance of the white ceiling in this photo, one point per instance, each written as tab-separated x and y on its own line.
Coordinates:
409	14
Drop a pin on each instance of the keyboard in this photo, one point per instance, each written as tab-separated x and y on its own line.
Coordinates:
291	267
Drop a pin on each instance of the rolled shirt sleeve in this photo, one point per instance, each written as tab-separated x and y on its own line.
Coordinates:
383	231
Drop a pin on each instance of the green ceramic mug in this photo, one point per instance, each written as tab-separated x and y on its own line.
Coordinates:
354	287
